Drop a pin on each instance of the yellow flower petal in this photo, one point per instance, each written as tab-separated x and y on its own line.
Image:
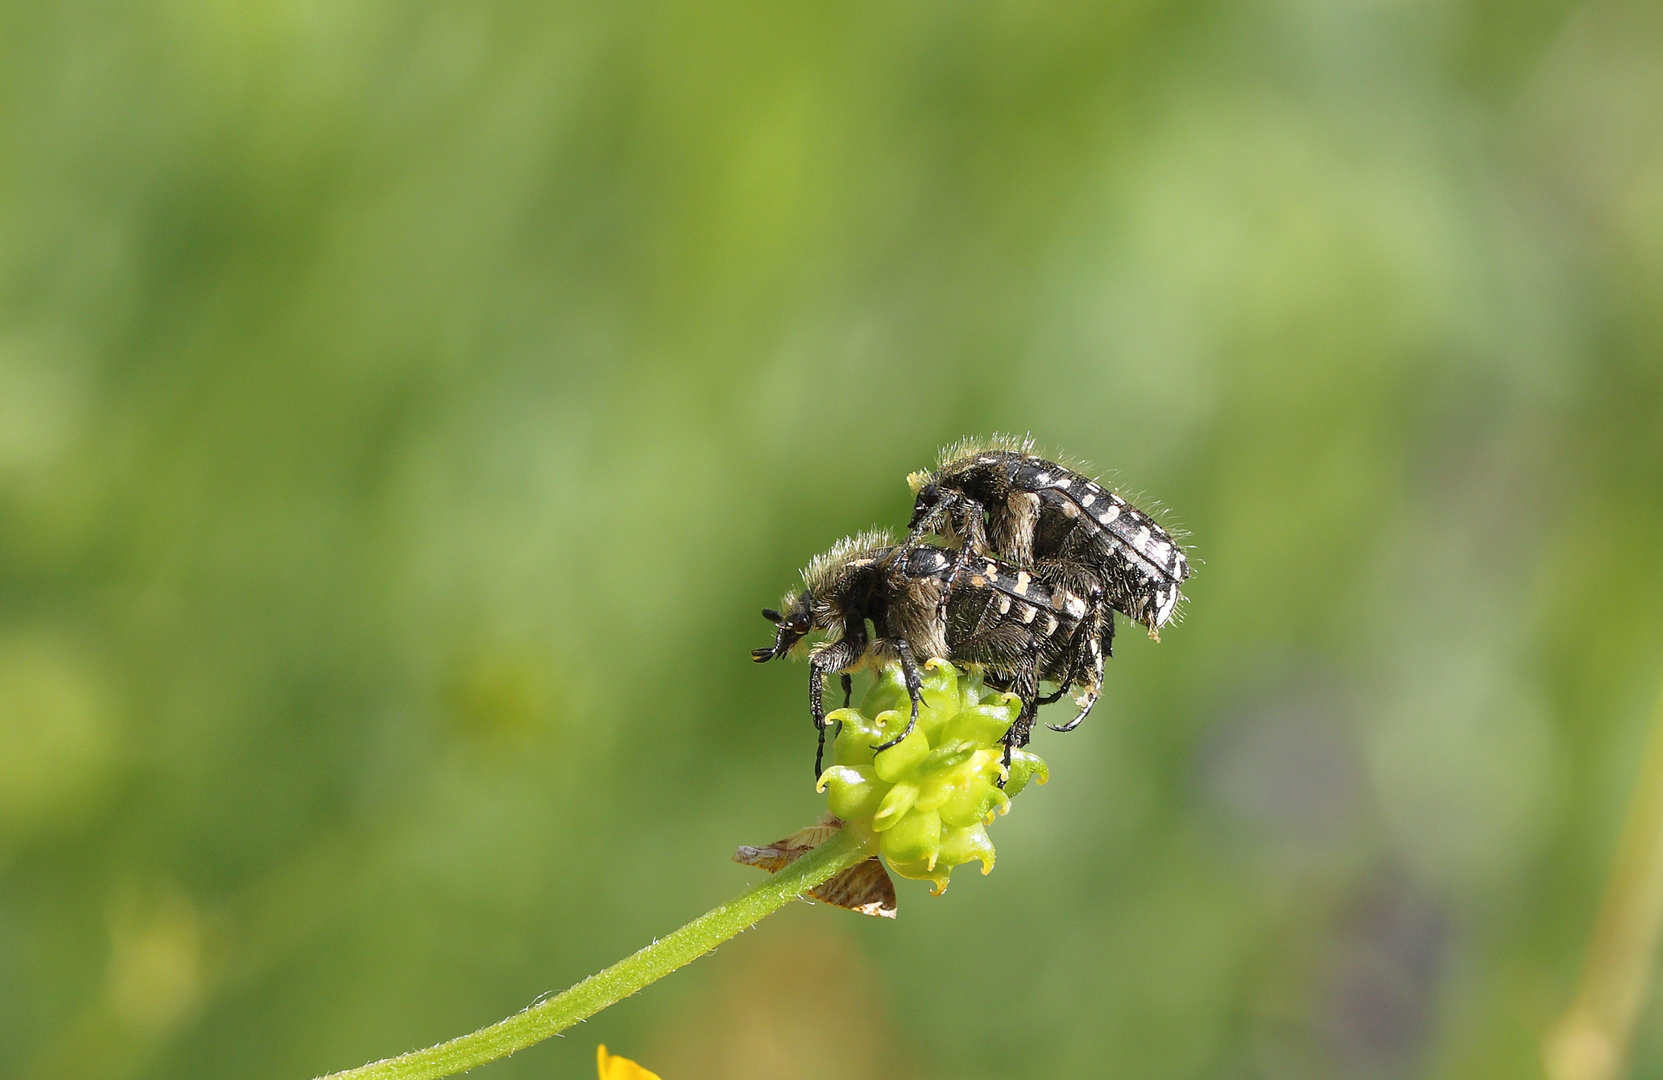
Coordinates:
620	1068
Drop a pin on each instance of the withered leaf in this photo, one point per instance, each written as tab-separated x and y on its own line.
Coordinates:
864	887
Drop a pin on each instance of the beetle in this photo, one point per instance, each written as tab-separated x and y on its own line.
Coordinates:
998	497
922	602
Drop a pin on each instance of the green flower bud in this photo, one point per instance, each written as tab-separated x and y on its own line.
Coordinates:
930	797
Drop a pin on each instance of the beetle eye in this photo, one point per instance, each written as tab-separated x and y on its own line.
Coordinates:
929	497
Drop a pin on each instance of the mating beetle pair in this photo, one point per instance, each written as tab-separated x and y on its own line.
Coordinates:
1038	560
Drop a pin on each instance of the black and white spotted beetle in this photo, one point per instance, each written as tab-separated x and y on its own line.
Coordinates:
996	615
998	497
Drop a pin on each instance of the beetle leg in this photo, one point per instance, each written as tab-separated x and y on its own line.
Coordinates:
837	655
915	690
1082	633
1100	645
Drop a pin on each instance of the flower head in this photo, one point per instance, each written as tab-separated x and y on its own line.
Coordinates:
930	797
620	1068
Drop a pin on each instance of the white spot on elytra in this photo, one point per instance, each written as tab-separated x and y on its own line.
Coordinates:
1004	605
1050	625
1028	613
1070	510
1109	515
1090	497
1022	580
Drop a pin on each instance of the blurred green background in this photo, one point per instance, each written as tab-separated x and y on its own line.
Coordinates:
406	408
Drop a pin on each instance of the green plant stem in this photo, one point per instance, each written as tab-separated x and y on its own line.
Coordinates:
1592	1041
624	978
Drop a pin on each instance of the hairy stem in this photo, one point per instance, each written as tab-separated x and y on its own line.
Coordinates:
624	978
